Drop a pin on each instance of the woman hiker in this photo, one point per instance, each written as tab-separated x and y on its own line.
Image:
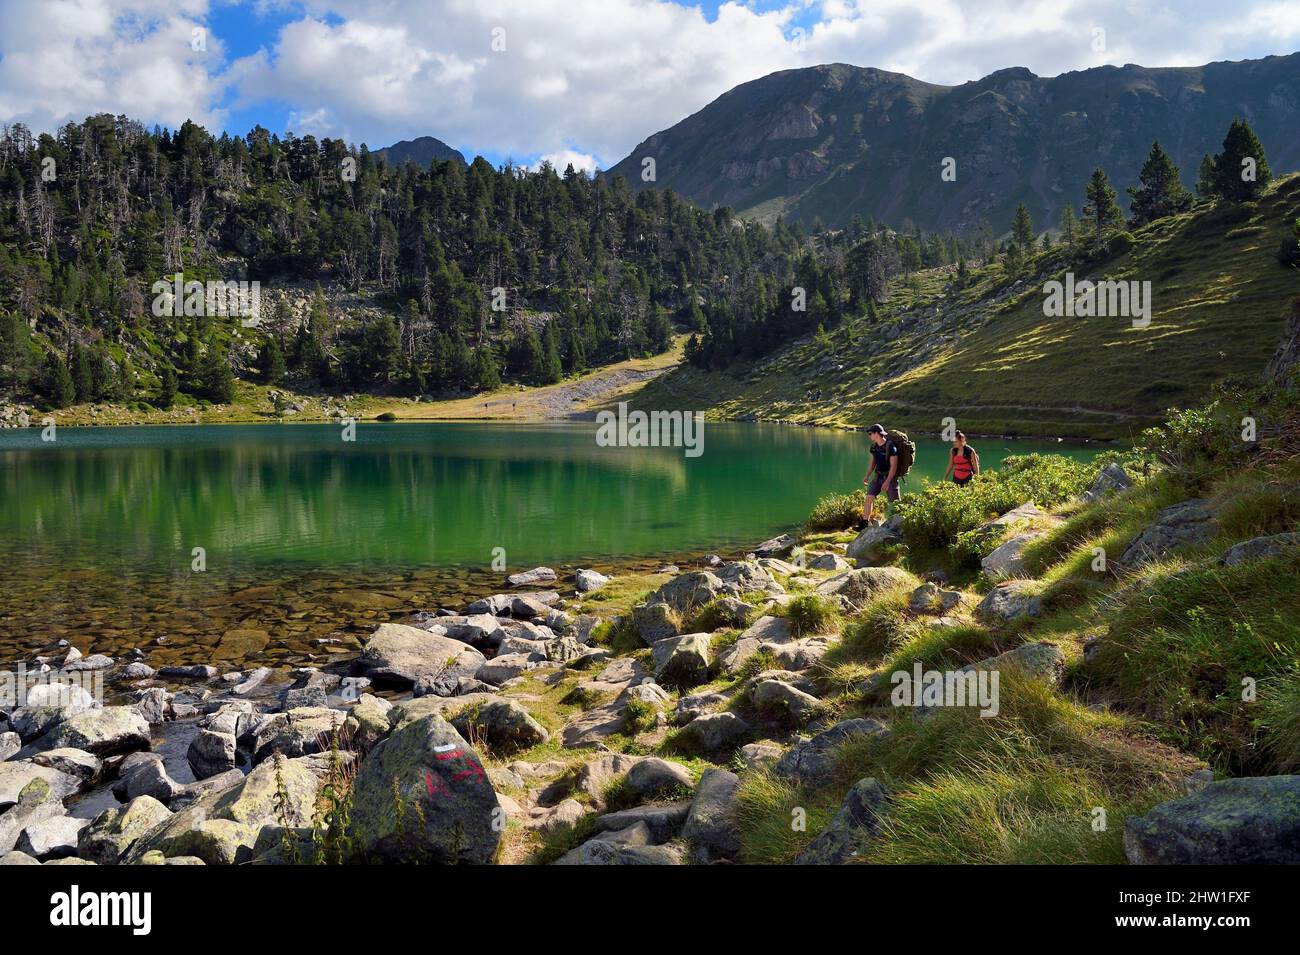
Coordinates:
963	462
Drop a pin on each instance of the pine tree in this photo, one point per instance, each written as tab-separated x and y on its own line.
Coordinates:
218	380
485	373
1022	229
1162	193
1069	226
59	384
1241	172
167	389
1205	177
271	362
1101	208
551	371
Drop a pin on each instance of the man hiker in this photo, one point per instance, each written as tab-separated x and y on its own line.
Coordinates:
891	458
963	461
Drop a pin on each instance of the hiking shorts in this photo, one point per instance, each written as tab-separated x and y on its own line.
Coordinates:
878	482
962	482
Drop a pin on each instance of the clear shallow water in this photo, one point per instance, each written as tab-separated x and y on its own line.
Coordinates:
309	537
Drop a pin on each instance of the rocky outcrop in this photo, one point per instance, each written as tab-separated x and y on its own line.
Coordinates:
533	578
1249	821
1041	660
503	725
1008	558
861	585
714	732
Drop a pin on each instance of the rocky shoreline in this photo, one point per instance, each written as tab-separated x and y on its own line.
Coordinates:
639	726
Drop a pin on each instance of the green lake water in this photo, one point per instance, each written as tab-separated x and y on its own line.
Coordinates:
309	538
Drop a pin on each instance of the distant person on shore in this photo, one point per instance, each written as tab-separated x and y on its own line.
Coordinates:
963	461
891	456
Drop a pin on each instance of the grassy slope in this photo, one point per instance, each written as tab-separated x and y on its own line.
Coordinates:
1220	301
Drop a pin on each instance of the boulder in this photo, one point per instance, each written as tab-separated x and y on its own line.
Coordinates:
210	753
776	546
775	698
1041	660
710	826
870	545
96	661
298	732
47	704
637	834
695	706
595	777
136	671
847	835
501	724
526	607
1109	479
563	649
607	852
532	578
1260	548
1179	525
367	721
829	562
746	576
17	858
663	820
654	621
1254	820
154	705
251	681
652	776
506	667
478	629
426	761
75	762
812	761
864	583
106	731
687	591
52	838
10	743
733	659
407	656
755	755
715	731
768	629
115	830
1008	558
681	661
222	827
1009	602
588	580
36	802
15	775
200	671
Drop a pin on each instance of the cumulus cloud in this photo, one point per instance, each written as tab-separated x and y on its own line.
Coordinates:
569	80
63	60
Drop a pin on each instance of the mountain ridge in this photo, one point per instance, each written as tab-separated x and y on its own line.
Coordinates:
835	140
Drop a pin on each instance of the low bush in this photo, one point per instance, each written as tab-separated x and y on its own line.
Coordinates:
836	512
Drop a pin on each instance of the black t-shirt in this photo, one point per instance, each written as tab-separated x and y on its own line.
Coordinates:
882	453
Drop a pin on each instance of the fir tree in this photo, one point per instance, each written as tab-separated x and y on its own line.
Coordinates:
1162	193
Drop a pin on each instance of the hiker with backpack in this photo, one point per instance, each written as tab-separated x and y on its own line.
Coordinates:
892	454
963	461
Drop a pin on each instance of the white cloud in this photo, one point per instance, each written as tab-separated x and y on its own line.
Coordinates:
583	162
582	78
63	60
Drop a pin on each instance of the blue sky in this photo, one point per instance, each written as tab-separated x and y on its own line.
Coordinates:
580	81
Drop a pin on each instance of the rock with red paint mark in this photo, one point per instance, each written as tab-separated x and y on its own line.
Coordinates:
426	765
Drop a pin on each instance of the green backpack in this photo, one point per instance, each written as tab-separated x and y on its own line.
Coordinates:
906	450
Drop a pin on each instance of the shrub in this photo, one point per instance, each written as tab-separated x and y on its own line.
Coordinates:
812	613
836	512
940	514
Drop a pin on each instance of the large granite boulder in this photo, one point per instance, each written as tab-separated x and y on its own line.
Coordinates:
1253	820
15	775
1008	558
407	656
1260	548
425	763
776	546
1041	660
655	620
715	731
864	583
687	591
1109	480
